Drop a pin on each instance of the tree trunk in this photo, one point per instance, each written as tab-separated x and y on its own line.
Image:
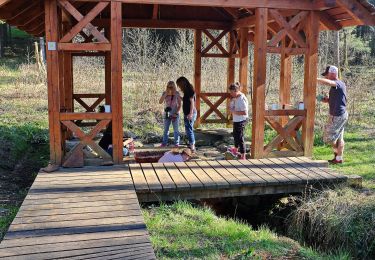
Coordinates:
346	62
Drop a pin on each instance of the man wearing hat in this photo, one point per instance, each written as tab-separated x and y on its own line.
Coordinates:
338	116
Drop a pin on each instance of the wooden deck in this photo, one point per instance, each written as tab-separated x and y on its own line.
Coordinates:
94	212
214	179
79	214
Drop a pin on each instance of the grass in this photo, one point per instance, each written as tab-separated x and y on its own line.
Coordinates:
182	231
7	218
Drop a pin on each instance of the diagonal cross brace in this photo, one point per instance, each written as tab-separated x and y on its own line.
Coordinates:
83	21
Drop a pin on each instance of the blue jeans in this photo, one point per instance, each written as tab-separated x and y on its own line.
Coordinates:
189	128
176	133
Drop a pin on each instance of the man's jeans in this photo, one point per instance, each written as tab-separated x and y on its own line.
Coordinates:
189	128
176	133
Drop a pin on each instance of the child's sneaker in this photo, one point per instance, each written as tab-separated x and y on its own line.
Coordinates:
230	156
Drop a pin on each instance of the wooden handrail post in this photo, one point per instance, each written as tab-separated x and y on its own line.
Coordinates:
116	81
244	59
310	82
285	79
260	61
230	70
53	79
197	73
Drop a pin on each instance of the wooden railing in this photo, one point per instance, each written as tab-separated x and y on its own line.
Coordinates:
213	107
287	142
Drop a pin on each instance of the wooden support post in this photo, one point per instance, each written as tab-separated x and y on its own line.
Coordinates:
244	58
107	72
230	70
285	79
68	81
116	81
197	72
260	62
52	33
310	82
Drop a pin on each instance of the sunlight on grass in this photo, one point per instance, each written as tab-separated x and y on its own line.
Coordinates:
182	231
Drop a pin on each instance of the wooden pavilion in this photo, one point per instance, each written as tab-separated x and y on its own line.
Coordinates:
284	27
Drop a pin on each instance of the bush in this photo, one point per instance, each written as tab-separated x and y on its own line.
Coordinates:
342	219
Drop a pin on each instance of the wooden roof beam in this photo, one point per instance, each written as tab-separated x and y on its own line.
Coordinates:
167	24
155	12
231	12
358	11
328	22
23	9
4	2
277	4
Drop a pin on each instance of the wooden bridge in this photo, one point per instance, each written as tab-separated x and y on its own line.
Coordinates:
94	212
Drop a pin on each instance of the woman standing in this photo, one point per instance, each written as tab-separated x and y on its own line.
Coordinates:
188	107
172	105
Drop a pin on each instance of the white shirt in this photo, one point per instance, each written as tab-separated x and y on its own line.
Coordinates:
171	157
238	104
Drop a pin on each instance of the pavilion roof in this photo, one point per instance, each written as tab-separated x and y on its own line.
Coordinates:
196	14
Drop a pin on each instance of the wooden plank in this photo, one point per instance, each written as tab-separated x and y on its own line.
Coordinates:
75	224
301	171
279	4
310	82
268	167
63	46
244	59
280	169
116	81
177	177
214	175
151	177
257	174
358	11
72	241
201	175
285	112
164	177
235	170
316	164
87	250
319	170
85	116
140	183
189	175
79	210
260	62
233	179
284	164
198	73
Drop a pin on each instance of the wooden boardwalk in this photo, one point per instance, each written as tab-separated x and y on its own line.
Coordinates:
79	214
215	179
94	212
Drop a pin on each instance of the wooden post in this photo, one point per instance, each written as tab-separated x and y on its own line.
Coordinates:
260	52
116	81
197	72
52	32
244	58
285	79
68	81
230	71
107	68
310	82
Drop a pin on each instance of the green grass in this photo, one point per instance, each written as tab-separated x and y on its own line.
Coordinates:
359	156
7	218
182	231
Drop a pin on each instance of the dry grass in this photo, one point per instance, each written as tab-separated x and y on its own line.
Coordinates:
337	220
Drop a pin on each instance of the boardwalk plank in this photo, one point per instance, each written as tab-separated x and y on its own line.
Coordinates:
189	175
293	178
304	167
258	177
151	177
268	167
331	172
139	180
164	177
201	175
177	177
235	180
298	171
214	175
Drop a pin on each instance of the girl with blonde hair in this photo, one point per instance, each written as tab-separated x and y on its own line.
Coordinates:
172	105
